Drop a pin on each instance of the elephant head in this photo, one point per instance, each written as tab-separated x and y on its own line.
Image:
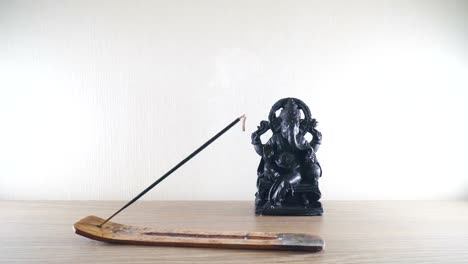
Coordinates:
289	125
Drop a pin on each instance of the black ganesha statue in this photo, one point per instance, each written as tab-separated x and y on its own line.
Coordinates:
288	172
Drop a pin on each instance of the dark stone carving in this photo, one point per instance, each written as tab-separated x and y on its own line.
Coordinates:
288	172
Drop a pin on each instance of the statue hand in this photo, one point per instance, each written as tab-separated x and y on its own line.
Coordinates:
312	129
310	157
256	138
317	135
261	129
313	123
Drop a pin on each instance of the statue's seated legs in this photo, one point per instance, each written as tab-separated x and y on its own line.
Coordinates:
293	193
282	186
310	176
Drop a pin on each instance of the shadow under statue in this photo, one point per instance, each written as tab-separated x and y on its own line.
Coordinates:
288	172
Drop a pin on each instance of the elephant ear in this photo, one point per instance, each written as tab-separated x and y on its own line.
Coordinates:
275	121
275	125
304	126
305	109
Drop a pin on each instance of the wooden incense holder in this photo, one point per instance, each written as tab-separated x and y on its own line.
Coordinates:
123	234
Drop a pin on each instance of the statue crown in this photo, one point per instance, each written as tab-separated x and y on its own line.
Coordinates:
290	111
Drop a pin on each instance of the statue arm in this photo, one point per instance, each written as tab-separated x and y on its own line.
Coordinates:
317	136
259	149
317	139
258	146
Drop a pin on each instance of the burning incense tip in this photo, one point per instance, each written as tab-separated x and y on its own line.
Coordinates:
243	117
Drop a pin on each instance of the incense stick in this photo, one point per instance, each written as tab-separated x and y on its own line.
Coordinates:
198	150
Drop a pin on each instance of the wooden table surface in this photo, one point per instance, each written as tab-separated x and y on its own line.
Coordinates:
354	231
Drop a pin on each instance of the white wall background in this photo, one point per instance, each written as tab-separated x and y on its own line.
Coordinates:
99	98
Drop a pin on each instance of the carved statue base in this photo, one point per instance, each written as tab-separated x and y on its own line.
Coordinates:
290	209
288	172
297	204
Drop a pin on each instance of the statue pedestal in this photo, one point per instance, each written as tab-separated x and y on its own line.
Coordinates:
293	209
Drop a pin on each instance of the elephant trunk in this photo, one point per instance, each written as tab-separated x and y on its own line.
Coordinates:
292	134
